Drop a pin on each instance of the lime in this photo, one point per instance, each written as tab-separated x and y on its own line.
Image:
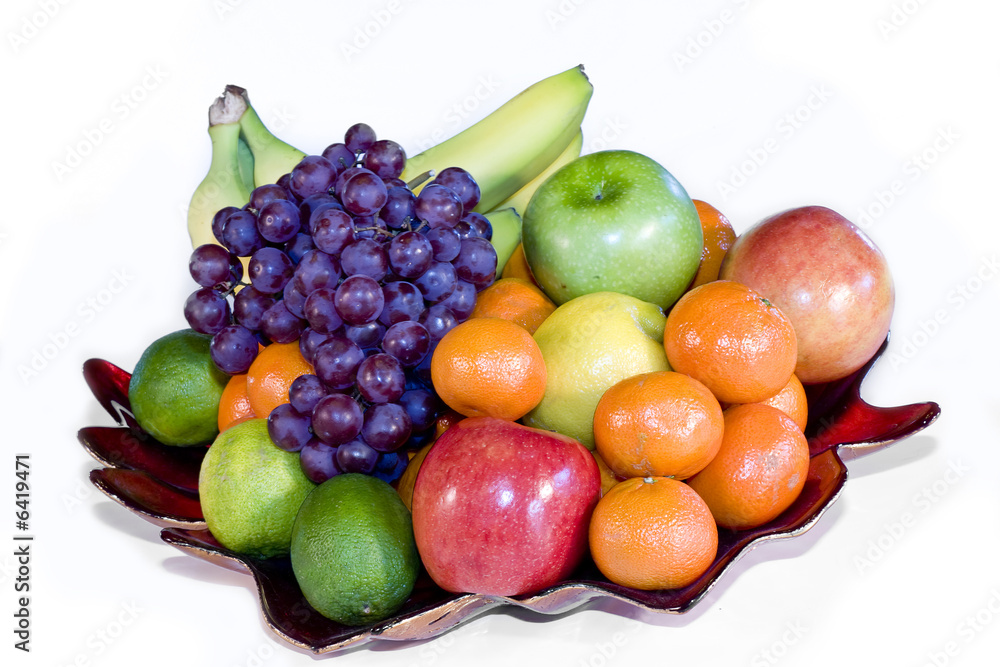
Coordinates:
175	389
251	490
353	552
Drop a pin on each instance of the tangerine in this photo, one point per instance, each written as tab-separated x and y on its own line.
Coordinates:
718	235
791	400
272	373
760	469
652	533
659	424
514	299
234	405
487	366
729	337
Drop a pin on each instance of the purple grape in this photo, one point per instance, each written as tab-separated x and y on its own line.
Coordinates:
366	336
476	262
400	208
299	246
381	379
240	235
437	282
289	428
359	300
309	342
403	301
410	254
336	419
340	155
474	226
280	325
294	299
278	221
387	427
316	269
336	362
438	320
312	175
284	181
305	392
343	177
391	466
462	301
359	137
269	269
249	306
439	206
422	406
210	265
365	257
219	221
320	311
207	311
357	456
462	184
315	203
364	193
371	227
407	341
386	158
332	230
318	461
262	195
446	243
233	349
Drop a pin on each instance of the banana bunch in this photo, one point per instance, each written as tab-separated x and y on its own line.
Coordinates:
244	154
510	153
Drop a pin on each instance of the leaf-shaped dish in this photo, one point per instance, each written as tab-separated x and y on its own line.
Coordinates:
159	483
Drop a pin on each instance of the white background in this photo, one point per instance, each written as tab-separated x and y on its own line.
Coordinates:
902	570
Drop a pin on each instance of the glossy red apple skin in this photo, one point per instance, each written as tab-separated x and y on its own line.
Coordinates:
503	509
828	277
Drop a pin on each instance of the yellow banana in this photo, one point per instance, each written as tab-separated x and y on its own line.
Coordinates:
519	200
272	157
506	223
506	150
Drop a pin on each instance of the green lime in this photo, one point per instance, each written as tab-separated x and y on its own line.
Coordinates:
251	490
175	389
353	552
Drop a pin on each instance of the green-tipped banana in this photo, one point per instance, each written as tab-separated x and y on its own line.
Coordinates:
223	185
519	200
506	223
245	158
272	157
506	150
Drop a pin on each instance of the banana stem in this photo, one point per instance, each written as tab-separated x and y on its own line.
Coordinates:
419	180
228	107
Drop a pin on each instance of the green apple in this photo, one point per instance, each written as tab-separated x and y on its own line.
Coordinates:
589	344
612	221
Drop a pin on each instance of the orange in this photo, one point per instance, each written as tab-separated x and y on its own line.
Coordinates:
759	470
652	533
514	299
487	366
719	238
234	404
733	340
659	424
517	266
791	400
272	373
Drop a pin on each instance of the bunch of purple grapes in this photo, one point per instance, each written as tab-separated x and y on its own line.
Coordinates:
366	276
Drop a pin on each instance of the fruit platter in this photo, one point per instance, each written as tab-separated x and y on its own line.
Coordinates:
496	374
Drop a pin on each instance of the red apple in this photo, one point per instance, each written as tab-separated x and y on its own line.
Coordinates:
828	277
503	509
